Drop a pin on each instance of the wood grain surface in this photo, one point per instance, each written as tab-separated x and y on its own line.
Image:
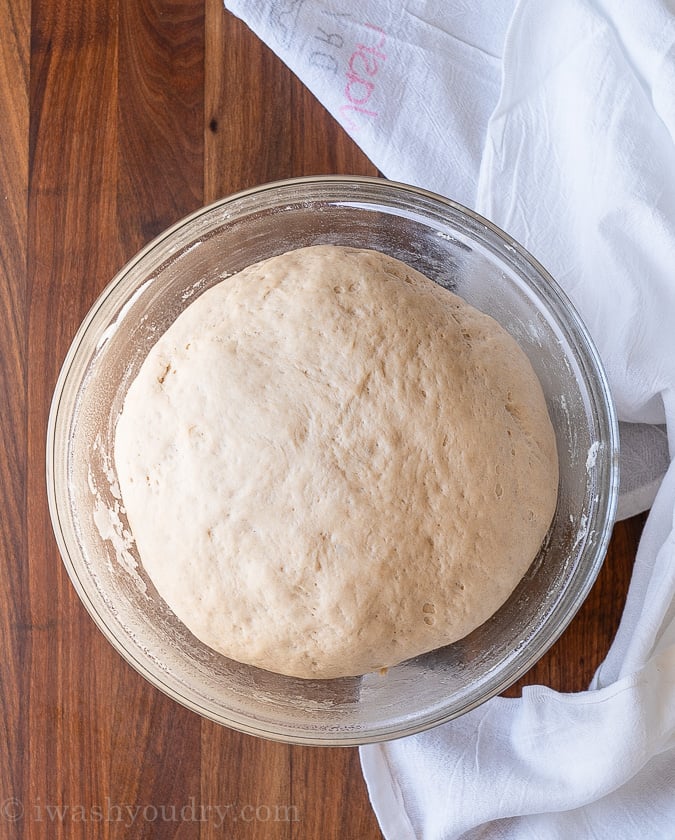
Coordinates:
116	119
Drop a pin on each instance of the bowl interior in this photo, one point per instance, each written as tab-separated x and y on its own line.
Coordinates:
452	246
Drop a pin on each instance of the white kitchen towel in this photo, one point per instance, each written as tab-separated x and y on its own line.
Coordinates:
557	121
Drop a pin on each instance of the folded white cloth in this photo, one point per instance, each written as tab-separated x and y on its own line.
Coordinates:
556	121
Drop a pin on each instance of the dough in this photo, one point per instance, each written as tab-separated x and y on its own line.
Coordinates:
331	464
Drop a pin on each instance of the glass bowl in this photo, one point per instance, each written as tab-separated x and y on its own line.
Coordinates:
459	250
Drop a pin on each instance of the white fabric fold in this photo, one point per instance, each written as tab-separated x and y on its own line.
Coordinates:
556	121
513	769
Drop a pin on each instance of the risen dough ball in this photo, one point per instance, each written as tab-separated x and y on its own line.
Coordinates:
331	464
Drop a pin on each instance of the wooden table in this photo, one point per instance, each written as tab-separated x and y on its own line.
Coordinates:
118	117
